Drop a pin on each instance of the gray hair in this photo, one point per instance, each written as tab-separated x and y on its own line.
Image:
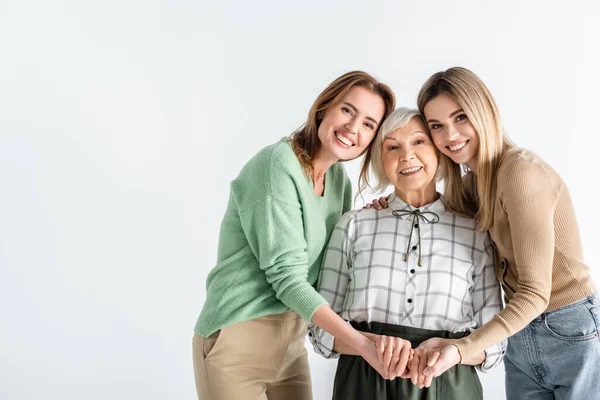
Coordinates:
399	118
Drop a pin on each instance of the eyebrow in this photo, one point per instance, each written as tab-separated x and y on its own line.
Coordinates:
356	110
412	134
450	116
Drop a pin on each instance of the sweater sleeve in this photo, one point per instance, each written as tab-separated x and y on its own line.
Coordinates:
275	233
528	197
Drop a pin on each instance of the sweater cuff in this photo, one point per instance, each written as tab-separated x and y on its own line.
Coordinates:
305	300
466	349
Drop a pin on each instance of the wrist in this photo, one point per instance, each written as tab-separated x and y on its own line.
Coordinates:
460	358
364	344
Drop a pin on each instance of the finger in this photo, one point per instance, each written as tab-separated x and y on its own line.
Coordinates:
393	373
380	348
433	358
404	356
383	202
422	366
414	369
427	381
377	205
389	352
368	205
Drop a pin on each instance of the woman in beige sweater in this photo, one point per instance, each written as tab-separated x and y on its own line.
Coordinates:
552	313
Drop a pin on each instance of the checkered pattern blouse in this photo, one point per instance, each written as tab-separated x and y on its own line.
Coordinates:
371	272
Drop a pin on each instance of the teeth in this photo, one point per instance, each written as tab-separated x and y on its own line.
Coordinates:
410	170
344	140
458	146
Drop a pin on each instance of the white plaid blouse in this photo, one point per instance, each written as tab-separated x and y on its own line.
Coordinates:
371	272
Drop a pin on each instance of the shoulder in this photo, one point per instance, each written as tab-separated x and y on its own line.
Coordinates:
521	168
273	171
465	227
273	157
354	217
458	220
462	225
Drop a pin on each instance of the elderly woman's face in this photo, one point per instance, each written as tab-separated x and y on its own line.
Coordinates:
410	158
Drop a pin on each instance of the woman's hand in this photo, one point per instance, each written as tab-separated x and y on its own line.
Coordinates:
394	355
380	203
426	356
389	356
449	357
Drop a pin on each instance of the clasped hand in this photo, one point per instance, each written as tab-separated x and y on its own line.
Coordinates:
397	358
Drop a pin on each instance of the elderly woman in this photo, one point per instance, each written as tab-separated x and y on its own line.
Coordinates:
409	273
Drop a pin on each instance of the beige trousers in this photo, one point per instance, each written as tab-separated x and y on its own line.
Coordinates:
260	359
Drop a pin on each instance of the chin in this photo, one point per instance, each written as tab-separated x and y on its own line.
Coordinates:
347	155
458	160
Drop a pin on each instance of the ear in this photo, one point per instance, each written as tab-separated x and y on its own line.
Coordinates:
319	115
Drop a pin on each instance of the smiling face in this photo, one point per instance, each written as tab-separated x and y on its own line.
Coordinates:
349	125
452	132
410	161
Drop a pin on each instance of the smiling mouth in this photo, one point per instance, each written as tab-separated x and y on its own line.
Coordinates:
457	147
343	139
410	171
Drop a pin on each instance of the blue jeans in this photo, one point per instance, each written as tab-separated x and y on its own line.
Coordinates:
557	356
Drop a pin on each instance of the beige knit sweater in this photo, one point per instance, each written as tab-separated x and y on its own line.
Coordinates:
540	263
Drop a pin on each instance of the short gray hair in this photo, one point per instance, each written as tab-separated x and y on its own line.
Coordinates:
399	118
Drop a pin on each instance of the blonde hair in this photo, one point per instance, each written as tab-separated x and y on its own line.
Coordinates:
305	141
399	118
475	193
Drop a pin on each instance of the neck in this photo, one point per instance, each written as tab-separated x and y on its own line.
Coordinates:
418	198
321	164
472	164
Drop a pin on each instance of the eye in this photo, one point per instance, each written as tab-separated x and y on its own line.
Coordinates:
392	147
419	141
461	117
347	110
435	126
369	125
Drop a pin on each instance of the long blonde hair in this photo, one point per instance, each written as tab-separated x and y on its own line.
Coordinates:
305	141
475	193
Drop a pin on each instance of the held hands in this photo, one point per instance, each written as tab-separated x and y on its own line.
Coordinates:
389	356
432	358
393	357
394	354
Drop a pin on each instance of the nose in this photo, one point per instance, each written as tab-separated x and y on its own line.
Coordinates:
352	125
407	154
451	133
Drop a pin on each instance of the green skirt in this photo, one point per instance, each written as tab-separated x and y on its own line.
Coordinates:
355	379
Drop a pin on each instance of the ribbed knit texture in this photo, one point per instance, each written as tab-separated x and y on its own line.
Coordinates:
541	264
271	241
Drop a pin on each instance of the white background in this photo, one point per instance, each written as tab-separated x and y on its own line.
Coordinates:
123	122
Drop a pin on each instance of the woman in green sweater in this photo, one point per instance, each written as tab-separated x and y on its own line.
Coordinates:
283	206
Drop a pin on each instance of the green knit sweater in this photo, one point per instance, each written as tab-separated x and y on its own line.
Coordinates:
272	239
